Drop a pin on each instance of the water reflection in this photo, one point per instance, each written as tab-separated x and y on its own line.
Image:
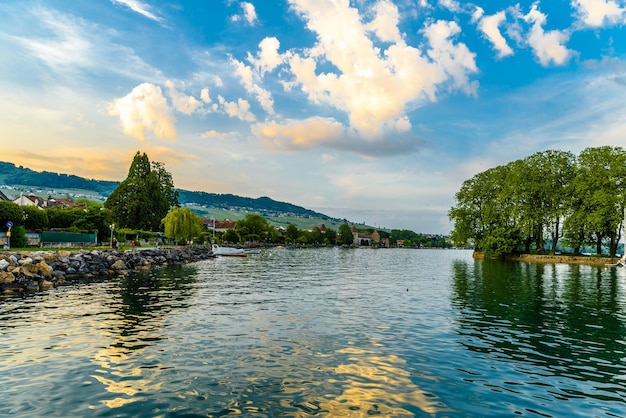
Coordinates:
137	320
561	326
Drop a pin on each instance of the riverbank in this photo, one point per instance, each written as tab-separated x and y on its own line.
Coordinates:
560	258
39	270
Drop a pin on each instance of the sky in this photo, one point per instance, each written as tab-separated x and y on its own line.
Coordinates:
372	111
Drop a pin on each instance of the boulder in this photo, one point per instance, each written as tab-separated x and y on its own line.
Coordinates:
6	277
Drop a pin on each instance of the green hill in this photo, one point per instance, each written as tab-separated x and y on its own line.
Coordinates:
210	205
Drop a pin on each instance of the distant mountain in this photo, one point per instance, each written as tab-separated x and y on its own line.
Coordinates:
11	175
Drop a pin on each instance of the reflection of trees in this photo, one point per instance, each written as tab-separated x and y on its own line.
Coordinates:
135	322
564	318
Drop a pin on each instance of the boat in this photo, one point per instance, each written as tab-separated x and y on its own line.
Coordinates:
228	251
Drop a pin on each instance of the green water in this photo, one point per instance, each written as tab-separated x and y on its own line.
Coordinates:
325	332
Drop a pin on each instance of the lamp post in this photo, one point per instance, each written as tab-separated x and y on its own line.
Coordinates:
112	227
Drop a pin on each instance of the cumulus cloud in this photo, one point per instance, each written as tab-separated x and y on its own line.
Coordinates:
597	13
248	14
268	57
182	103
239	109
248	79
490	27
139	7
385	23
144	109
372	85
548	46
297	134
204	95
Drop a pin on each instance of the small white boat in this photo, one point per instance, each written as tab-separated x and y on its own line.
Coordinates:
228	251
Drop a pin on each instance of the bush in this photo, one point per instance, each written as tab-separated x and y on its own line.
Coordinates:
18	237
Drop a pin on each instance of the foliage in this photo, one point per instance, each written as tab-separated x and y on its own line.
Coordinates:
345	236
18	237
544	197
145	197
35	218
253	227
292	233
10	211
182	223
231	236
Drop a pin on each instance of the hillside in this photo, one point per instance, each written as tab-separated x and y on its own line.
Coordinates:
219	206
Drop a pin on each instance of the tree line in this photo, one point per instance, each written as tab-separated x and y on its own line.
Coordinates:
550	197
147	202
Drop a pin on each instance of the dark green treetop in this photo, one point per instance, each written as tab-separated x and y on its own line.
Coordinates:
145	197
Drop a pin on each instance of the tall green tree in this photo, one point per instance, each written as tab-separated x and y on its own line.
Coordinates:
35	218
292	233
601	190
345	236
145	197
253	227
10	211
182	223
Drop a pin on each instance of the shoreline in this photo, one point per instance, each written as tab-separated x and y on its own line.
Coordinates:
31	271
556	259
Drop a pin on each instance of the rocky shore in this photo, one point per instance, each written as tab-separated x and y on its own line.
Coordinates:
32	271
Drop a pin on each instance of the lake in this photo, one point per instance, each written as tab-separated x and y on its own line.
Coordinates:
322	332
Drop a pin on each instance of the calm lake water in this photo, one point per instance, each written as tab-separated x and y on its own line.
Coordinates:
322	332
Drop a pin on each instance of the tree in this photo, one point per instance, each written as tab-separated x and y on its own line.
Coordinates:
182	224
35	218
145	197
292	233
345	234
231	236
601	189
253	227
10	211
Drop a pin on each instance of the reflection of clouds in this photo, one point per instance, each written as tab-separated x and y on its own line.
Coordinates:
375	384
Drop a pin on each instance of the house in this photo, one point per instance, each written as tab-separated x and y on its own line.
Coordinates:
360	238
64	203
3	196
29	200
219	226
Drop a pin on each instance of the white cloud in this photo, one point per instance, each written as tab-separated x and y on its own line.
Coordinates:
455	60
204	95
144	109
490	27
385	24
69	45
139	7
248	14
182	103
597	13
547	46
298	134
248	79
268	57
239	109
451	5
372	85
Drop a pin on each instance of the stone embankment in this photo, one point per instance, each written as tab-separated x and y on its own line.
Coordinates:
40	270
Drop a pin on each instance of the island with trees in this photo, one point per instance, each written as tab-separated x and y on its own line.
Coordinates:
552	201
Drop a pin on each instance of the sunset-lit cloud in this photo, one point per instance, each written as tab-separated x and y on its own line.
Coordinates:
145	109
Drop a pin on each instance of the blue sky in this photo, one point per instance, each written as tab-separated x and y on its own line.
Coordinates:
374	111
